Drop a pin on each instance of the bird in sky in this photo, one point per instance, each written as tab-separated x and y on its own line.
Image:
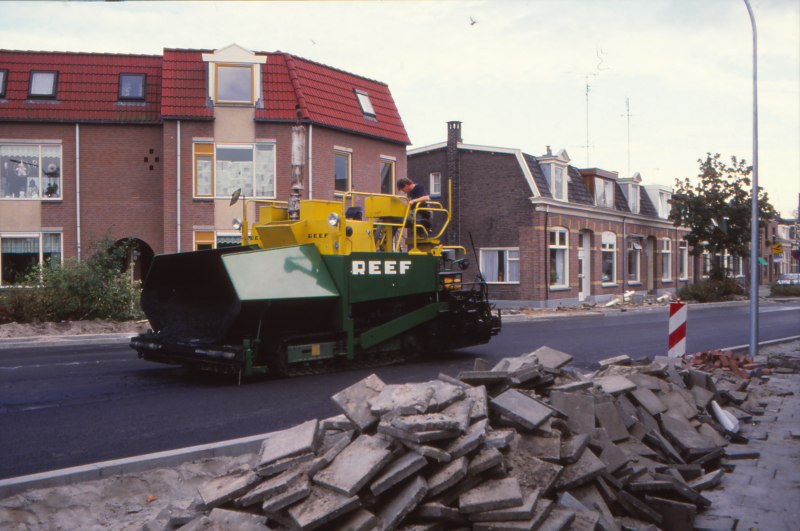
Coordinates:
312	41
472	21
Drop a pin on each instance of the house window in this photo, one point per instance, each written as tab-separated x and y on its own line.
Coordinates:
234	84
223	168
204	240
387	177
366	104
559	257
132	86
556	180
609	257
500	265
341	169
604	192
666	259
44	84
706	263
683	260
436	184
634	261
633	198
664	198
30	171
229	240
21	254
3	82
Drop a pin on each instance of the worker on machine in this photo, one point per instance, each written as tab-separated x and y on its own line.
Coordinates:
416	197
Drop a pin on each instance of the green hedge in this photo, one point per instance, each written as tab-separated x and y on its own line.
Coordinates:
72	291
785	290
711	290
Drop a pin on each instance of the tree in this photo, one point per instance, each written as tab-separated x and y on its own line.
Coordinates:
718	210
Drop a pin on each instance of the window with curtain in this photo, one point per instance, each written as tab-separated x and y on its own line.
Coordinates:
30	171
683	259
559	257
634	260
387	177
341	171
609	257
500	265
666	259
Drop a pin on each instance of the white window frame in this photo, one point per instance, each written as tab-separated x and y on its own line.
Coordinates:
253	79
41	191
435	184
601	198
561	244
26	235
683	258
634	247
633	198
666	260
254	146
485	250
549	171
393	187
53	94
609	245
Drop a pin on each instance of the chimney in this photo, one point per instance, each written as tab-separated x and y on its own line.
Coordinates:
548	151
453	139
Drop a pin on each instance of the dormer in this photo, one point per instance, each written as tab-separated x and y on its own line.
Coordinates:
631	190
660	195
556	171
234	77
601	184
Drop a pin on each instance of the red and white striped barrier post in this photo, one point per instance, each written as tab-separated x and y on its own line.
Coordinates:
677	329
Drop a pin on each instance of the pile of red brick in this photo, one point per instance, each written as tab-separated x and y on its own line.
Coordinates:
740	365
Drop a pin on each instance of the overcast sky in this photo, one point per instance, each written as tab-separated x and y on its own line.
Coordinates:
517	77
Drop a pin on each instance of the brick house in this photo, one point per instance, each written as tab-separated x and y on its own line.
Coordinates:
547	233
152	146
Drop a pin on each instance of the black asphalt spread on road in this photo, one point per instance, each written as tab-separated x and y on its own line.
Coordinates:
68	406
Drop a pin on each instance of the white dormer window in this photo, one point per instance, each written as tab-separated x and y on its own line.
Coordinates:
556	171
633	198
664	198
604	192
234	75
366	104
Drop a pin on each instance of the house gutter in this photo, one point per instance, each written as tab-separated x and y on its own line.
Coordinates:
77	186
178	193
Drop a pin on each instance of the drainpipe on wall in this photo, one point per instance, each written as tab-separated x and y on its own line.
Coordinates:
77	186
178	193
624	256
546	255
310	167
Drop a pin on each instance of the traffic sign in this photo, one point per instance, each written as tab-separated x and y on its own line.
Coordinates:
777	248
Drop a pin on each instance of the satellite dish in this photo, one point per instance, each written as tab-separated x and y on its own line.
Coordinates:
235	196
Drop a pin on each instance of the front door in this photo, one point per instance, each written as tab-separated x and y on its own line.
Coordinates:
584	268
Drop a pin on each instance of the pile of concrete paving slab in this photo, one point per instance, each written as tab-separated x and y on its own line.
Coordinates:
525	445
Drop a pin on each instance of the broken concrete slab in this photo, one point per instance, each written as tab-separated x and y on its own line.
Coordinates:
584	470
520	408
434	453
447	475
572	447
578	408
491	496
419	437
707	481
676	401
426	422
740	451
359	520
480	402
224	489
614	458
450	495
637	508
469	441
702	397
520	512
542	511
573	387
714	523
295	493
608	417
397	471
675	516
546	447
353	402
301	439
406	399
648	400
615	385
401	504
483	461
499	439
702	379
647	419
453	381
271	487
225	520
437	511
476	378
590	497
353	468
644	381
320	507
549	357
532	472
559	519
622	359
281	465
461	412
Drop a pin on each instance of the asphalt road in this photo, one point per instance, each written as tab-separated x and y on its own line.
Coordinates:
68	406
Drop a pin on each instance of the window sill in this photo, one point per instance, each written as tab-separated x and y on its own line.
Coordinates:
503	283
560	288
203	199
666	281
684	279
610	284
634	283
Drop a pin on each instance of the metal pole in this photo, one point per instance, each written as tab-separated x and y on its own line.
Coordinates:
755	249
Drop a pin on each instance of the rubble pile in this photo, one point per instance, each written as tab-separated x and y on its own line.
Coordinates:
738	365
525	445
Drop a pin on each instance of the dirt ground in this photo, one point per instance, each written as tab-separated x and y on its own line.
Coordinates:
71	328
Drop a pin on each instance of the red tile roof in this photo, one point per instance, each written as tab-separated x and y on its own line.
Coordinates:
176	88
184	85
88	85
327	96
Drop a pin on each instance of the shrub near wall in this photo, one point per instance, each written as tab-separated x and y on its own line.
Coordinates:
72	291
784	290
711	290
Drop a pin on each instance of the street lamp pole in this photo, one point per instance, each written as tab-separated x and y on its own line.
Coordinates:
755	248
